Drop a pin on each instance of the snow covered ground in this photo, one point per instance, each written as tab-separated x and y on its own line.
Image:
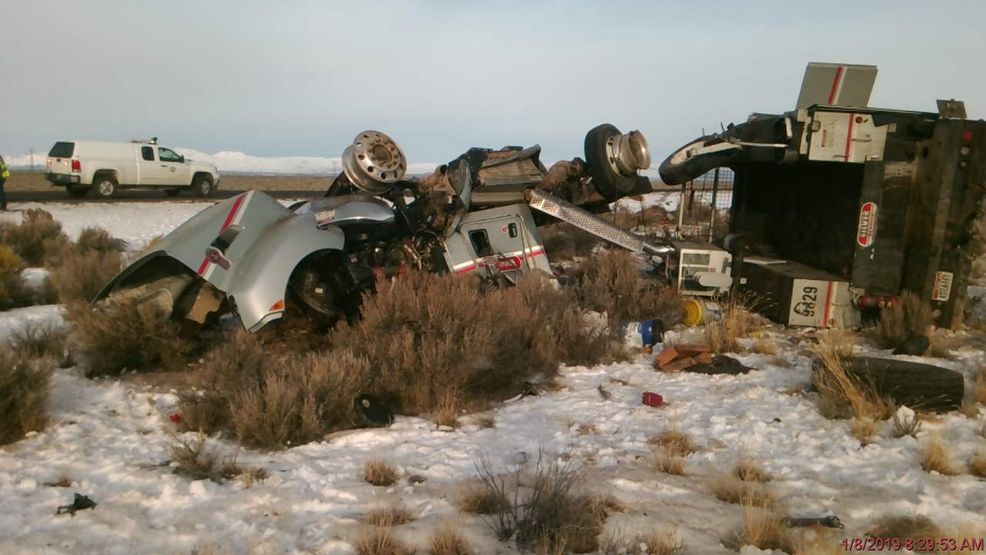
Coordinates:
108	439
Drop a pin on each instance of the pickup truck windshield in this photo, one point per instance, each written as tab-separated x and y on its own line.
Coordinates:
167	155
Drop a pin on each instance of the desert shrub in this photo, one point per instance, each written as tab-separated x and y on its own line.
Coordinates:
737	321
390	516
429	338
448	541
270	399
937	457
379	541
842	395
13	292
126	335
196	459
97	239
38	239
979	388
80	275
611	282
24	385
863	429
378	472
40	340
909	317
551	515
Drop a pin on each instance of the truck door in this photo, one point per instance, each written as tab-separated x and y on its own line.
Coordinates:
495	241
150	170
178	172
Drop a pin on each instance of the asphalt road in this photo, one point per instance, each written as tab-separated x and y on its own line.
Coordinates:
58	195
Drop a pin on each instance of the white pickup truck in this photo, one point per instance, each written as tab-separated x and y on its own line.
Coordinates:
81	166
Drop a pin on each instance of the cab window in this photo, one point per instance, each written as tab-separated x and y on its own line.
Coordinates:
168	155
480	242
147	153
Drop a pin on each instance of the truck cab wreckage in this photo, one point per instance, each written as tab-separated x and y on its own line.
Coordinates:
253	257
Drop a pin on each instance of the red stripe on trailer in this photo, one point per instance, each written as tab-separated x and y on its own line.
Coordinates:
835	84
852	120
828	305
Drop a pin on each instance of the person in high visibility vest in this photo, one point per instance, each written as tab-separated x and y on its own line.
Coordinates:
4	174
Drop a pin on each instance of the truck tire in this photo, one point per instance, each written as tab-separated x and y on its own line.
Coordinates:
610	183
105	185
202	185
77	191
919	386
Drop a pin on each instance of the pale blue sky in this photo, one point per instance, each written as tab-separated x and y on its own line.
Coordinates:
303	77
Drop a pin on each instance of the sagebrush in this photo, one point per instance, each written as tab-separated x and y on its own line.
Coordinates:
24	385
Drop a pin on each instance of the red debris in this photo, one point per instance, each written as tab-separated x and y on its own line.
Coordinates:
175	417
652	399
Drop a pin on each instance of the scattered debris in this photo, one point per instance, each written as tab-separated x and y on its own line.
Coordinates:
80	503
830	521
373	411
675	358
914	345
604	393
720	364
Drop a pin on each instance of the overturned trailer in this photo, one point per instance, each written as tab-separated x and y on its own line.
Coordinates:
839	207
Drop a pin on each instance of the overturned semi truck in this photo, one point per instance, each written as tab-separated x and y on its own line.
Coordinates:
249	258
839	207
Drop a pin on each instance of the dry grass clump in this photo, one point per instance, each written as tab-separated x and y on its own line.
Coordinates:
737	321
448	541
674	441
905	527
937	457
40	340
662	543
24	385
483	501
391	516
125	336
843	395
80	275
731	489
549	515
379	472
763	528
13	292
863	429
447	411
97	239
38	239
611	282
909	317
748	470
379	541
195	459
669	463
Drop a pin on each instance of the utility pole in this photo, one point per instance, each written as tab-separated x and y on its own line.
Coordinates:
32	159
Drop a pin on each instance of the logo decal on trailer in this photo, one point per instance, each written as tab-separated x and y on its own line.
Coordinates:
866	233
943	287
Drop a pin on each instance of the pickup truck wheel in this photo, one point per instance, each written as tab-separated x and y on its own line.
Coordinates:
172	192
77	190
105	186
610	183
202	185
